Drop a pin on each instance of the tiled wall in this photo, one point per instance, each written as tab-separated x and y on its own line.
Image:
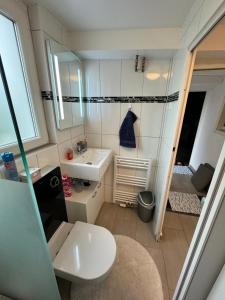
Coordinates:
116	78
52	153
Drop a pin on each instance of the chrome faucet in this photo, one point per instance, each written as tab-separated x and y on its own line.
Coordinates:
81	147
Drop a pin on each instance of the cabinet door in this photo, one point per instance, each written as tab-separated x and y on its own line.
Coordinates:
95	203
92	207
100	188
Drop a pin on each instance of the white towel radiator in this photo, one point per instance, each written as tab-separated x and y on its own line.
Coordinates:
121	164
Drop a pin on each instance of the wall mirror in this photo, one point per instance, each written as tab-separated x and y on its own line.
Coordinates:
67	88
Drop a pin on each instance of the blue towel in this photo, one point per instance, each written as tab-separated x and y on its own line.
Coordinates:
127	137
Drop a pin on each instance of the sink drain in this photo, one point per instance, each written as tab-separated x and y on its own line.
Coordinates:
88	163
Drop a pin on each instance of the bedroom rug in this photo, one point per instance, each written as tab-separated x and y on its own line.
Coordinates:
182	170
134	276
185	203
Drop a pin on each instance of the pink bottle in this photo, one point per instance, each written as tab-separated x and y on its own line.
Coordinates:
67	185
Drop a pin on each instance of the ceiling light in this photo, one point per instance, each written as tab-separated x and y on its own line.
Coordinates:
152	76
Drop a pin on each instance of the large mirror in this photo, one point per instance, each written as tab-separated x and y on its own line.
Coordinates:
66	79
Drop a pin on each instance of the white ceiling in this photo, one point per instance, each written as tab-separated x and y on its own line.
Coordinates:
118	14
205	80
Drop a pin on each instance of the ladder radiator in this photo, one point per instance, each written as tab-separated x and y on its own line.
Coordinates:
123	177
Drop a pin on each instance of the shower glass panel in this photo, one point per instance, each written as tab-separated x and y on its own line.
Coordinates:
25	264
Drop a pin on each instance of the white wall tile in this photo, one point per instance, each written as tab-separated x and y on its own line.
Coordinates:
110	118
76	131
31	160
75	140
155	77
110	74
151	119
94	140
110	141
48	156
93	118
148	147
63	135
129	152
108	193
62	149
136	108
131	81
108	179
92	78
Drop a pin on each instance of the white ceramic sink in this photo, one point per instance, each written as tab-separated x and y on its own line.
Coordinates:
90	165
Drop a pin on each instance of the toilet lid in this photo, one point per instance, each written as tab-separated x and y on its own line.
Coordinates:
88	253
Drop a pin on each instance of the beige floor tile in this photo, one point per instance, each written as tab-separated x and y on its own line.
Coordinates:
157	256
188	224
171	292
128	214
124	227
174	247
64	288
145	236
107	216
169	254
172	220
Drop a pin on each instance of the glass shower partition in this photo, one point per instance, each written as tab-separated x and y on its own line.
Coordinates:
26	270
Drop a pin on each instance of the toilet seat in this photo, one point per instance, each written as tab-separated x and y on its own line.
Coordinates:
87	254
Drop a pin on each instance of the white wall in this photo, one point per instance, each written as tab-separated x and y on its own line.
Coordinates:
118	78
170	119
203	15
130	39
218	290
208	143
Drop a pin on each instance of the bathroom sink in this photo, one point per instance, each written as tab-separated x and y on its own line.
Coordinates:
90	165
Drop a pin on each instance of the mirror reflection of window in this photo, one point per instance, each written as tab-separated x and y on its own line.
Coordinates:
67	86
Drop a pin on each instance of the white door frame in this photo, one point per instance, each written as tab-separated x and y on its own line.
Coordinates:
181	110
211	208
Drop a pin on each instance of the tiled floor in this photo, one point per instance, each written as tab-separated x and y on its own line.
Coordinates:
169	253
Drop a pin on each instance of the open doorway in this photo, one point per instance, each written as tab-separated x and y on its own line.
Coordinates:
200	142
189	189
189	128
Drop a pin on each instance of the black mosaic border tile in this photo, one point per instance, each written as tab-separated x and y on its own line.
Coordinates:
148	99
173	97
71	99
48	95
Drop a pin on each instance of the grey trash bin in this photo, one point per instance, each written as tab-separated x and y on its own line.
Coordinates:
146	204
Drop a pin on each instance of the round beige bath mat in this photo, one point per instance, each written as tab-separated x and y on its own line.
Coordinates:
134	276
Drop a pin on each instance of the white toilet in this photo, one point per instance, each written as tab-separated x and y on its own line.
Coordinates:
82	252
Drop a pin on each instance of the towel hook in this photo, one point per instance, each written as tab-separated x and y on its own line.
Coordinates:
130	106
